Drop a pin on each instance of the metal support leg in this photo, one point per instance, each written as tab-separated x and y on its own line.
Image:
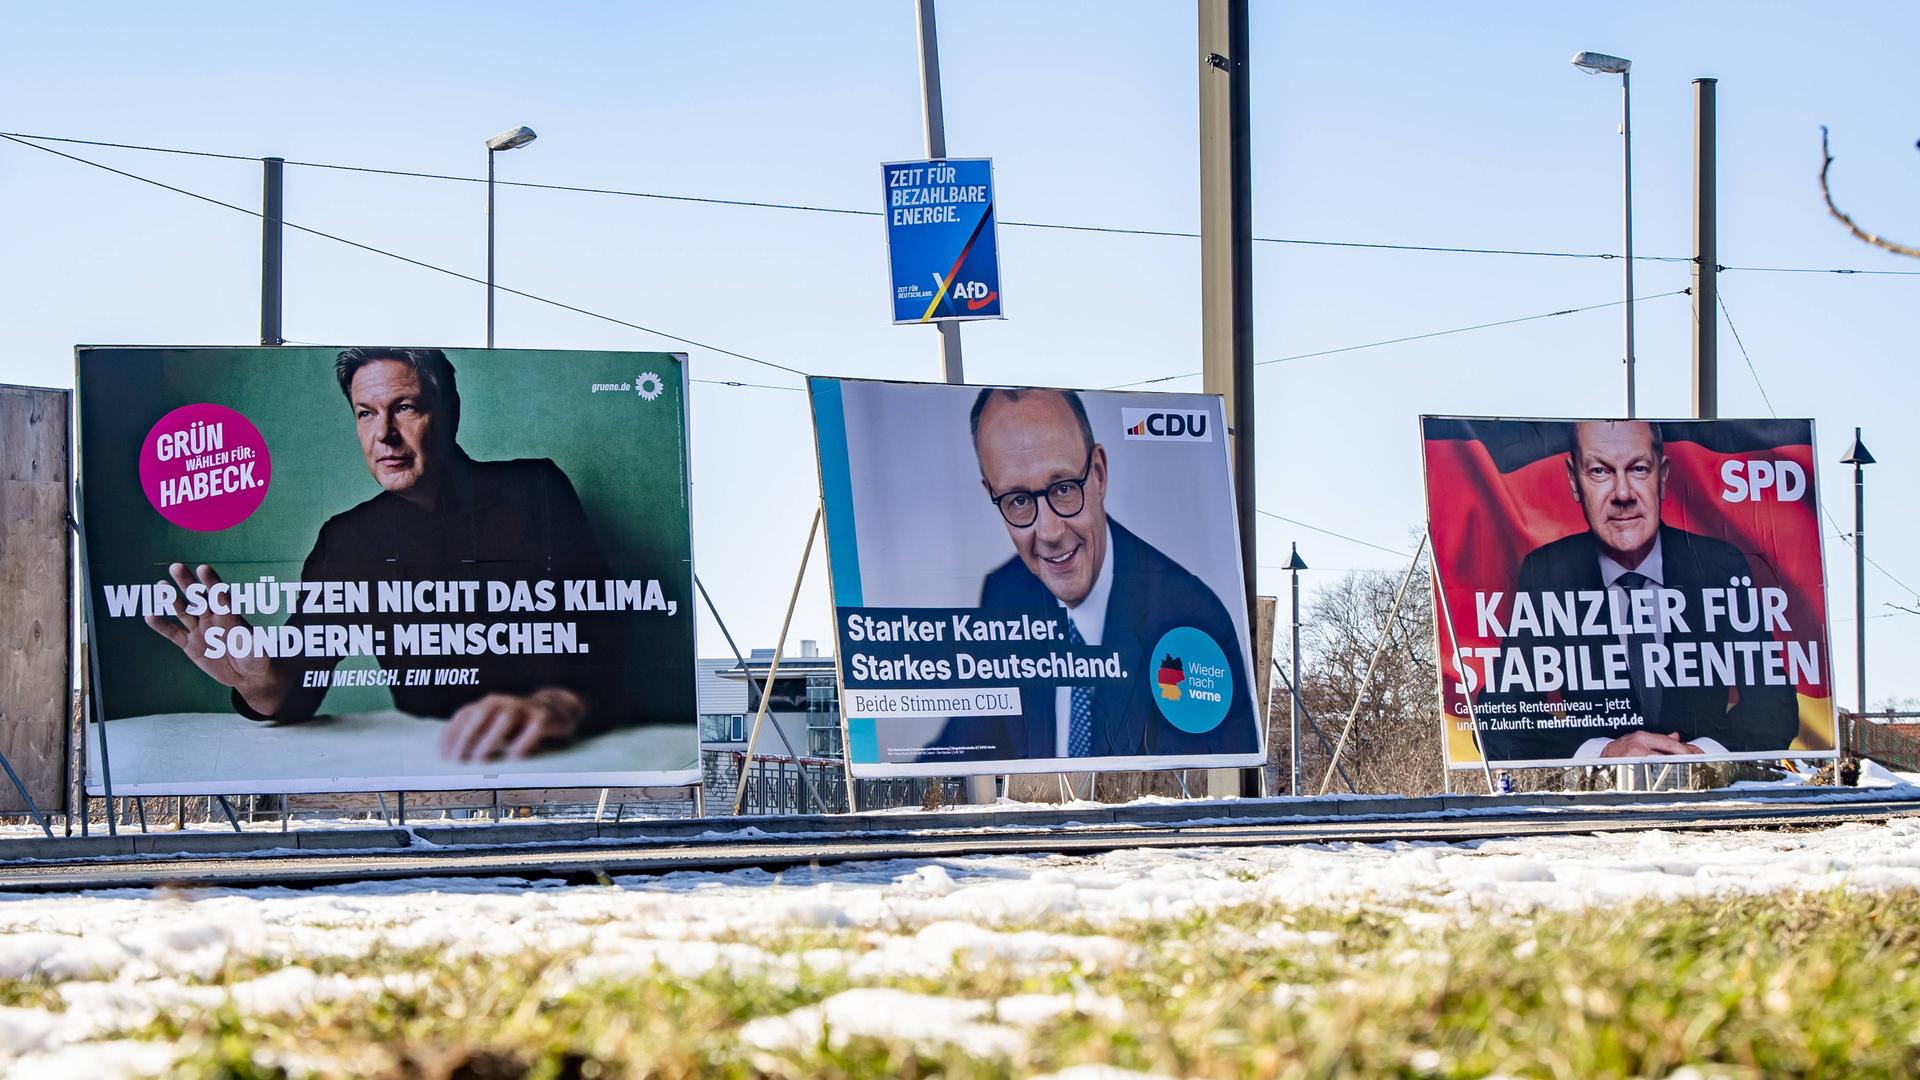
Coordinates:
228	810
26	798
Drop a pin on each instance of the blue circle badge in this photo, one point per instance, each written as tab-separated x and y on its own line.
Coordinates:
1192	684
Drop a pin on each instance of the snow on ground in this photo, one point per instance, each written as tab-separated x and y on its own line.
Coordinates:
117	959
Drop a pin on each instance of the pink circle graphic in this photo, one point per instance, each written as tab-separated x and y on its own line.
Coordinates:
205	467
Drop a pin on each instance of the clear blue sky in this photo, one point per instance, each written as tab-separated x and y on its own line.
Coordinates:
1454	124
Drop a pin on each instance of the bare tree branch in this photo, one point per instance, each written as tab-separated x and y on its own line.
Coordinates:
1903	607
1880	242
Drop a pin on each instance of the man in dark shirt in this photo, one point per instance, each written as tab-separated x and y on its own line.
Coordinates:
441	517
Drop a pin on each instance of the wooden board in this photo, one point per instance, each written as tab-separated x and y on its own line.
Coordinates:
36	627
1265	609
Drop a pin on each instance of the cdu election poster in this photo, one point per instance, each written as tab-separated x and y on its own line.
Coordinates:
1032	580
1619	591
374	568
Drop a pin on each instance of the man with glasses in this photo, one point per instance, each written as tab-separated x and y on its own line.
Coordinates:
1047	477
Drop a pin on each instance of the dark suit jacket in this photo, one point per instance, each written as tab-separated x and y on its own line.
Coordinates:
1765	717
1151	595
501	521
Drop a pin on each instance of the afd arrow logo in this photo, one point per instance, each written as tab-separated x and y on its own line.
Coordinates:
975	293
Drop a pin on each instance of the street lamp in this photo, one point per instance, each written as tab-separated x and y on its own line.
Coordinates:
1295	564
511	139
1859	458
1601	64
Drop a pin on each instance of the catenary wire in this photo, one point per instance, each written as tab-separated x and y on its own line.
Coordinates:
1751	370
1411	337
1841	532
24	139
1330	532
412	261
712	348
850	212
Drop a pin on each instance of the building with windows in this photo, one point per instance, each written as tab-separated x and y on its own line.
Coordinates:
798	765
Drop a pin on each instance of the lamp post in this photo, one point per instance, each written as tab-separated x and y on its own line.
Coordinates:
1602	64
511	139
1859	458
1295	564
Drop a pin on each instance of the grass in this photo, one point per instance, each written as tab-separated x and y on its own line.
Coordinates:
1778	985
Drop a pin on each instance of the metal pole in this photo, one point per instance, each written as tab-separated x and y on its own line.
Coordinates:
1706	256
1293	698
272	230
1226	259
934	114
1626	195
489	247
979	790
1859	594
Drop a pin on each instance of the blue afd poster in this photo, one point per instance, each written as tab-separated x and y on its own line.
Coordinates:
941	240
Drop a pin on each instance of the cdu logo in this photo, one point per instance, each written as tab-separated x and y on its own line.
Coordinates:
1162	425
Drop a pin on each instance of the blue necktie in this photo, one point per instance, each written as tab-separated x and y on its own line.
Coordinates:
1080	720
1644	690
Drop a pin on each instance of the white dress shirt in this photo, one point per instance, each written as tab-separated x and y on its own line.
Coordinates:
1089	618
1653	568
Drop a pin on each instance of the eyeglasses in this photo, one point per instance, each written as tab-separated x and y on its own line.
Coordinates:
1066	497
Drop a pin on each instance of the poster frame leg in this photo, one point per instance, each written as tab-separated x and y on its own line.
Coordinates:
92	698
228	810
1459	664
32	807
1313	728
1366	680
773	669
805	784
140	811
600	808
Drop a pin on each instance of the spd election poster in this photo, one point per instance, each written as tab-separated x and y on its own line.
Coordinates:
1628	591
350	569
1031	580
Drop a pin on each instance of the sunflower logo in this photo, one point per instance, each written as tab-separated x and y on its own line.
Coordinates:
648	385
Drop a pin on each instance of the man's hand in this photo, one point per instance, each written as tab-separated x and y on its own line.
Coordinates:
1648	744
509	725
259	681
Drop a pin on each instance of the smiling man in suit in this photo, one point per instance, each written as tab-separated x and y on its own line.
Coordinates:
1618	472
1116	594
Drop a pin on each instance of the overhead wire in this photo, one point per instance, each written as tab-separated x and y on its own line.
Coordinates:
421	263
28	140
1337	535
1411	337
763	204
1841	533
